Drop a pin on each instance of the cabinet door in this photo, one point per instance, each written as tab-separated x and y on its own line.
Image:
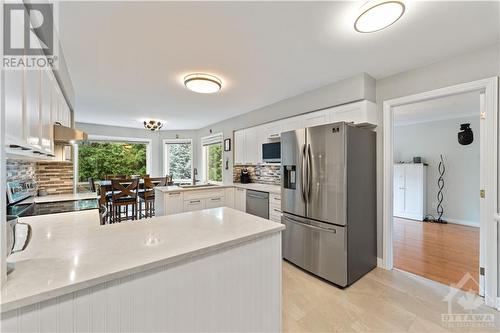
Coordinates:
251	146
229	197
14	113
173	203
195	204
214	202
399	190
239	147
32	103
413	191
46	112
240	199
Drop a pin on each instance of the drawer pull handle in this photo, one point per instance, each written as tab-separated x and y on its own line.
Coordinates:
194	201
277	210
174	193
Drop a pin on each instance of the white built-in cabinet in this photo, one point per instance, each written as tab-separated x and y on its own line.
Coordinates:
248	142
410	191
33	104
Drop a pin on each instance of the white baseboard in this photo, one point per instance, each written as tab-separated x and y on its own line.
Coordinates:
462	222
380	262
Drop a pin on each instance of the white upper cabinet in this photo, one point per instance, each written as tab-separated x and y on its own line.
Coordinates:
32	104
14	115
47	137
246	146
239	147
248	142
252	146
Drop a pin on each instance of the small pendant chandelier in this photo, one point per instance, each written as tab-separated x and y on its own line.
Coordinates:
153	125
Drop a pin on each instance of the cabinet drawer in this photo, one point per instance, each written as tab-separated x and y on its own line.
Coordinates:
274	211
195	204
215	202
275	200
203	194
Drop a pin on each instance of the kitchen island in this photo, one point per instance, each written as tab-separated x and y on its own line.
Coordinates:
209	270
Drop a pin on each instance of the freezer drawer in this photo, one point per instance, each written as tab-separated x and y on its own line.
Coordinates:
319	248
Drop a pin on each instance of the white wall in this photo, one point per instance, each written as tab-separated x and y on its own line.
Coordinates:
468	67
349	90
155	137
429	140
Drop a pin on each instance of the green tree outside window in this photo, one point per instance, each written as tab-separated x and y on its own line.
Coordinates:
98	159
214	162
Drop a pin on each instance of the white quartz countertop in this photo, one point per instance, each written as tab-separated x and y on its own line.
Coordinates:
72	251
65	197
275	189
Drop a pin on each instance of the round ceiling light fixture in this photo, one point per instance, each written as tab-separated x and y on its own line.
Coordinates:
376	16
153	125
202	83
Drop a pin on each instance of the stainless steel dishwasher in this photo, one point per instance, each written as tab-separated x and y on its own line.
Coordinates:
258	203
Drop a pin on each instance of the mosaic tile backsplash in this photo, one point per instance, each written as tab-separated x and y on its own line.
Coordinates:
261	174
53	177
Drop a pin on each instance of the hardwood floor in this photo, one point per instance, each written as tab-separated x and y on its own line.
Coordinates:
440	252
381	301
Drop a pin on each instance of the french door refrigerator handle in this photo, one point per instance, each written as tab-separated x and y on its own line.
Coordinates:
303	185
309	172
309	225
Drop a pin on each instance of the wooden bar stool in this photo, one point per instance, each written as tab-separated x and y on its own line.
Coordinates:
147	196
124	197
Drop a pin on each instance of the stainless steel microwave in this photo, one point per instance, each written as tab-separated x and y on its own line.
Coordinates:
271	152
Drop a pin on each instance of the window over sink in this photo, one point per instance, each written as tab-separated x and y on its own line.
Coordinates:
178	159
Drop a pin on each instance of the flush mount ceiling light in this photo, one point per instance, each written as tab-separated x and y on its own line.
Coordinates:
153	125
378	15
202	83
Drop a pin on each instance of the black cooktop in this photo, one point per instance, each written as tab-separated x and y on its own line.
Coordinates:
32	209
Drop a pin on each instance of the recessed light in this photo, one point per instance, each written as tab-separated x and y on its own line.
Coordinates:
378	16
203	83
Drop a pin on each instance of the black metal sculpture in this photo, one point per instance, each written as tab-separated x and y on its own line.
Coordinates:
440	196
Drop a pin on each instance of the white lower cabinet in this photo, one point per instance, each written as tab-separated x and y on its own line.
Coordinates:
173	203
214	202
194	204
240	199
168	203
229	197
275	207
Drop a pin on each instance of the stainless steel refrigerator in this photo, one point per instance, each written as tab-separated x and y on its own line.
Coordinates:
329	200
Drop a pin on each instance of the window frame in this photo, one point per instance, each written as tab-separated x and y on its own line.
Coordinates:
204	152
166	169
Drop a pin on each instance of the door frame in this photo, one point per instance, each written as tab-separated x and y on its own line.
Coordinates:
489	87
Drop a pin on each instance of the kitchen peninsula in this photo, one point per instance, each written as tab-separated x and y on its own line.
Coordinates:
208	270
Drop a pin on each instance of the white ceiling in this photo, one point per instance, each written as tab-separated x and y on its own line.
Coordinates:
455	106
126	59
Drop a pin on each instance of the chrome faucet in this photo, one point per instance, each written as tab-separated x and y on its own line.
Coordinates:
195	173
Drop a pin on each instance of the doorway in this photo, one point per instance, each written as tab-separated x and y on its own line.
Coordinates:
486	90
436	213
